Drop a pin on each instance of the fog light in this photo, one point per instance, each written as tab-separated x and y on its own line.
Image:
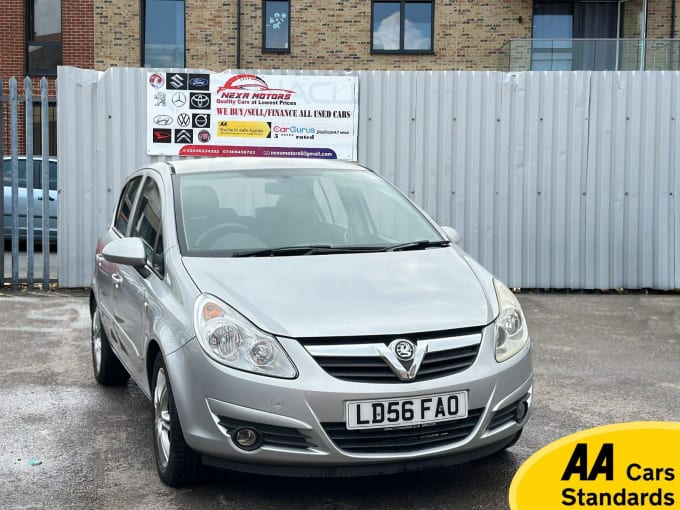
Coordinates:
247	438
521	411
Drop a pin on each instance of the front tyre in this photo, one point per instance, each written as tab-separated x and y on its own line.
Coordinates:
108	370
177	463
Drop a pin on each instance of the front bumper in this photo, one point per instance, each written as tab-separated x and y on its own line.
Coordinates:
299	415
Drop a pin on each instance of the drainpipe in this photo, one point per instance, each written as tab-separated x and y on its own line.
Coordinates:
238	34
643	45
673	19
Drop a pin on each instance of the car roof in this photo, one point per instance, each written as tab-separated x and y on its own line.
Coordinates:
186	166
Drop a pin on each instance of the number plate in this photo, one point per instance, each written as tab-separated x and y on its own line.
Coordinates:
372	414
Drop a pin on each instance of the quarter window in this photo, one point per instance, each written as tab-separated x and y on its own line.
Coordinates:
405	26
43	37
163	33
127	200
148	226
276	26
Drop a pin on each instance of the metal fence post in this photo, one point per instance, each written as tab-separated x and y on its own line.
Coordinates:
30	249
14	152
2	197
45	148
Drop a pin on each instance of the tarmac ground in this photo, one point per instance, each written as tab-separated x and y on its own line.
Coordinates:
66	442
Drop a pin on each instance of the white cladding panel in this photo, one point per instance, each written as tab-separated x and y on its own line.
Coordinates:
554	179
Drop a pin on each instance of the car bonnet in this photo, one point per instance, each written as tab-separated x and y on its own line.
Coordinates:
354	294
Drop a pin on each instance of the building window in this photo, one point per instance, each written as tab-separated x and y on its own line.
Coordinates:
276	26
43	37
163	33
406	26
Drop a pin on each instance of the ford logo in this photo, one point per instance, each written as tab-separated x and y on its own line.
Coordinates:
198	82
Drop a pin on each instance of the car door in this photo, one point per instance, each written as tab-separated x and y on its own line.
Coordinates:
38	200
106	270
129	293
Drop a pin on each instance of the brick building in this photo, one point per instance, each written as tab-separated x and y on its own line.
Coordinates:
38	35
35	37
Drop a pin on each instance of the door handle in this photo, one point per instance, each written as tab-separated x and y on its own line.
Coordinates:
51	199
99	258
117	279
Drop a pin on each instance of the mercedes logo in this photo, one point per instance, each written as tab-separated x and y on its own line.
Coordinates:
404	349
200	100
179	99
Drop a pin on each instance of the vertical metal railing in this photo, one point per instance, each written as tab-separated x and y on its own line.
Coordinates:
26	200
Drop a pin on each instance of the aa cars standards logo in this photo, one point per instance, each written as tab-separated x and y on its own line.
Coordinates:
627	465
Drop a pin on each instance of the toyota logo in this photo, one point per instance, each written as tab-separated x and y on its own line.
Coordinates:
179	99
162	120
404	349
200	100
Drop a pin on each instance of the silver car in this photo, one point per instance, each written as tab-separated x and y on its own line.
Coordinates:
22	199
303	318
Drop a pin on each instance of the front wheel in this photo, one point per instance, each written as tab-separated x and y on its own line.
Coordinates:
108	370
177	463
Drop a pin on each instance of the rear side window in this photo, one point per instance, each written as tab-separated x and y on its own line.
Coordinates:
148	226
7	170
124	209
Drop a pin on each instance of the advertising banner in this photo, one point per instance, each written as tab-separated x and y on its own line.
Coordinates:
201	114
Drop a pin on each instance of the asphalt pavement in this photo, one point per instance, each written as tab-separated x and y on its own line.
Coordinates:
66	442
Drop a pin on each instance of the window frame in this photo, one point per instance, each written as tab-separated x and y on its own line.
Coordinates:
265	48
114	224
402	23
136	217
142	38
28	41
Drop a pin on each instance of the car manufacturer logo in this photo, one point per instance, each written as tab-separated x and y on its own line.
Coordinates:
183	119
184	136
162	135
199	81
156	80
204	136
177	81
404	349
159	99
179	99
201	120
200	101
162	120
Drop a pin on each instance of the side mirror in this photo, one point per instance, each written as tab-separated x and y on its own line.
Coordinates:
453	234
128	251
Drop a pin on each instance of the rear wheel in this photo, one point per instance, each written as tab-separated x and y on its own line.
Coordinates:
177	463
108	370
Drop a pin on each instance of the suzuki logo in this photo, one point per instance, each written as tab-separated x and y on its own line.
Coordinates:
176	81
403	357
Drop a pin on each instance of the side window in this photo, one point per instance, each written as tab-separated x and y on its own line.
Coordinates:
124	209
147	224
7	166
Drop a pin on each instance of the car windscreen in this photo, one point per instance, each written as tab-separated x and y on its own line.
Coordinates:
260	211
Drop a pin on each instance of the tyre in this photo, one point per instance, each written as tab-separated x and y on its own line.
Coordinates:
177	463
108	370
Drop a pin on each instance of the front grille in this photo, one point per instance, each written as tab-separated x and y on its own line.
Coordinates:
271	435
357	361
402	439
505	414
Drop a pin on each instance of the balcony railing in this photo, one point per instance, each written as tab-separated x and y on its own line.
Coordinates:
590	55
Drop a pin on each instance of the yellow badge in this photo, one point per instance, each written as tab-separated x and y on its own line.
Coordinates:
627	465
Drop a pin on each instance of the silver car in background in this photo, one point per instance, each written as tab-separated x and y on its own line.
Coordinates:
22	199
303	318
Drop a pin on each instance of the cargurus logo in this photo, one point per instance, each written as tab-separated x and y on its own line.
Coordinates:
295	130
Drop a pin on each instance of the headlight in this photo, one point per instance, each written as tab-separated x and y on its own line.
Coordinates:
231	339
511	329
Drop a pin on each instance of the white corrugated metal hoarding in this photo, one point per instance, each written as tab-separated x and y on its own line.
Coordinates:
555	179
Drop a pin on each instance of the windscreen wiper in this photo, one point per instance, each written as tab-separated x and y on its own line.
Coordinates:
319	249
418	245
